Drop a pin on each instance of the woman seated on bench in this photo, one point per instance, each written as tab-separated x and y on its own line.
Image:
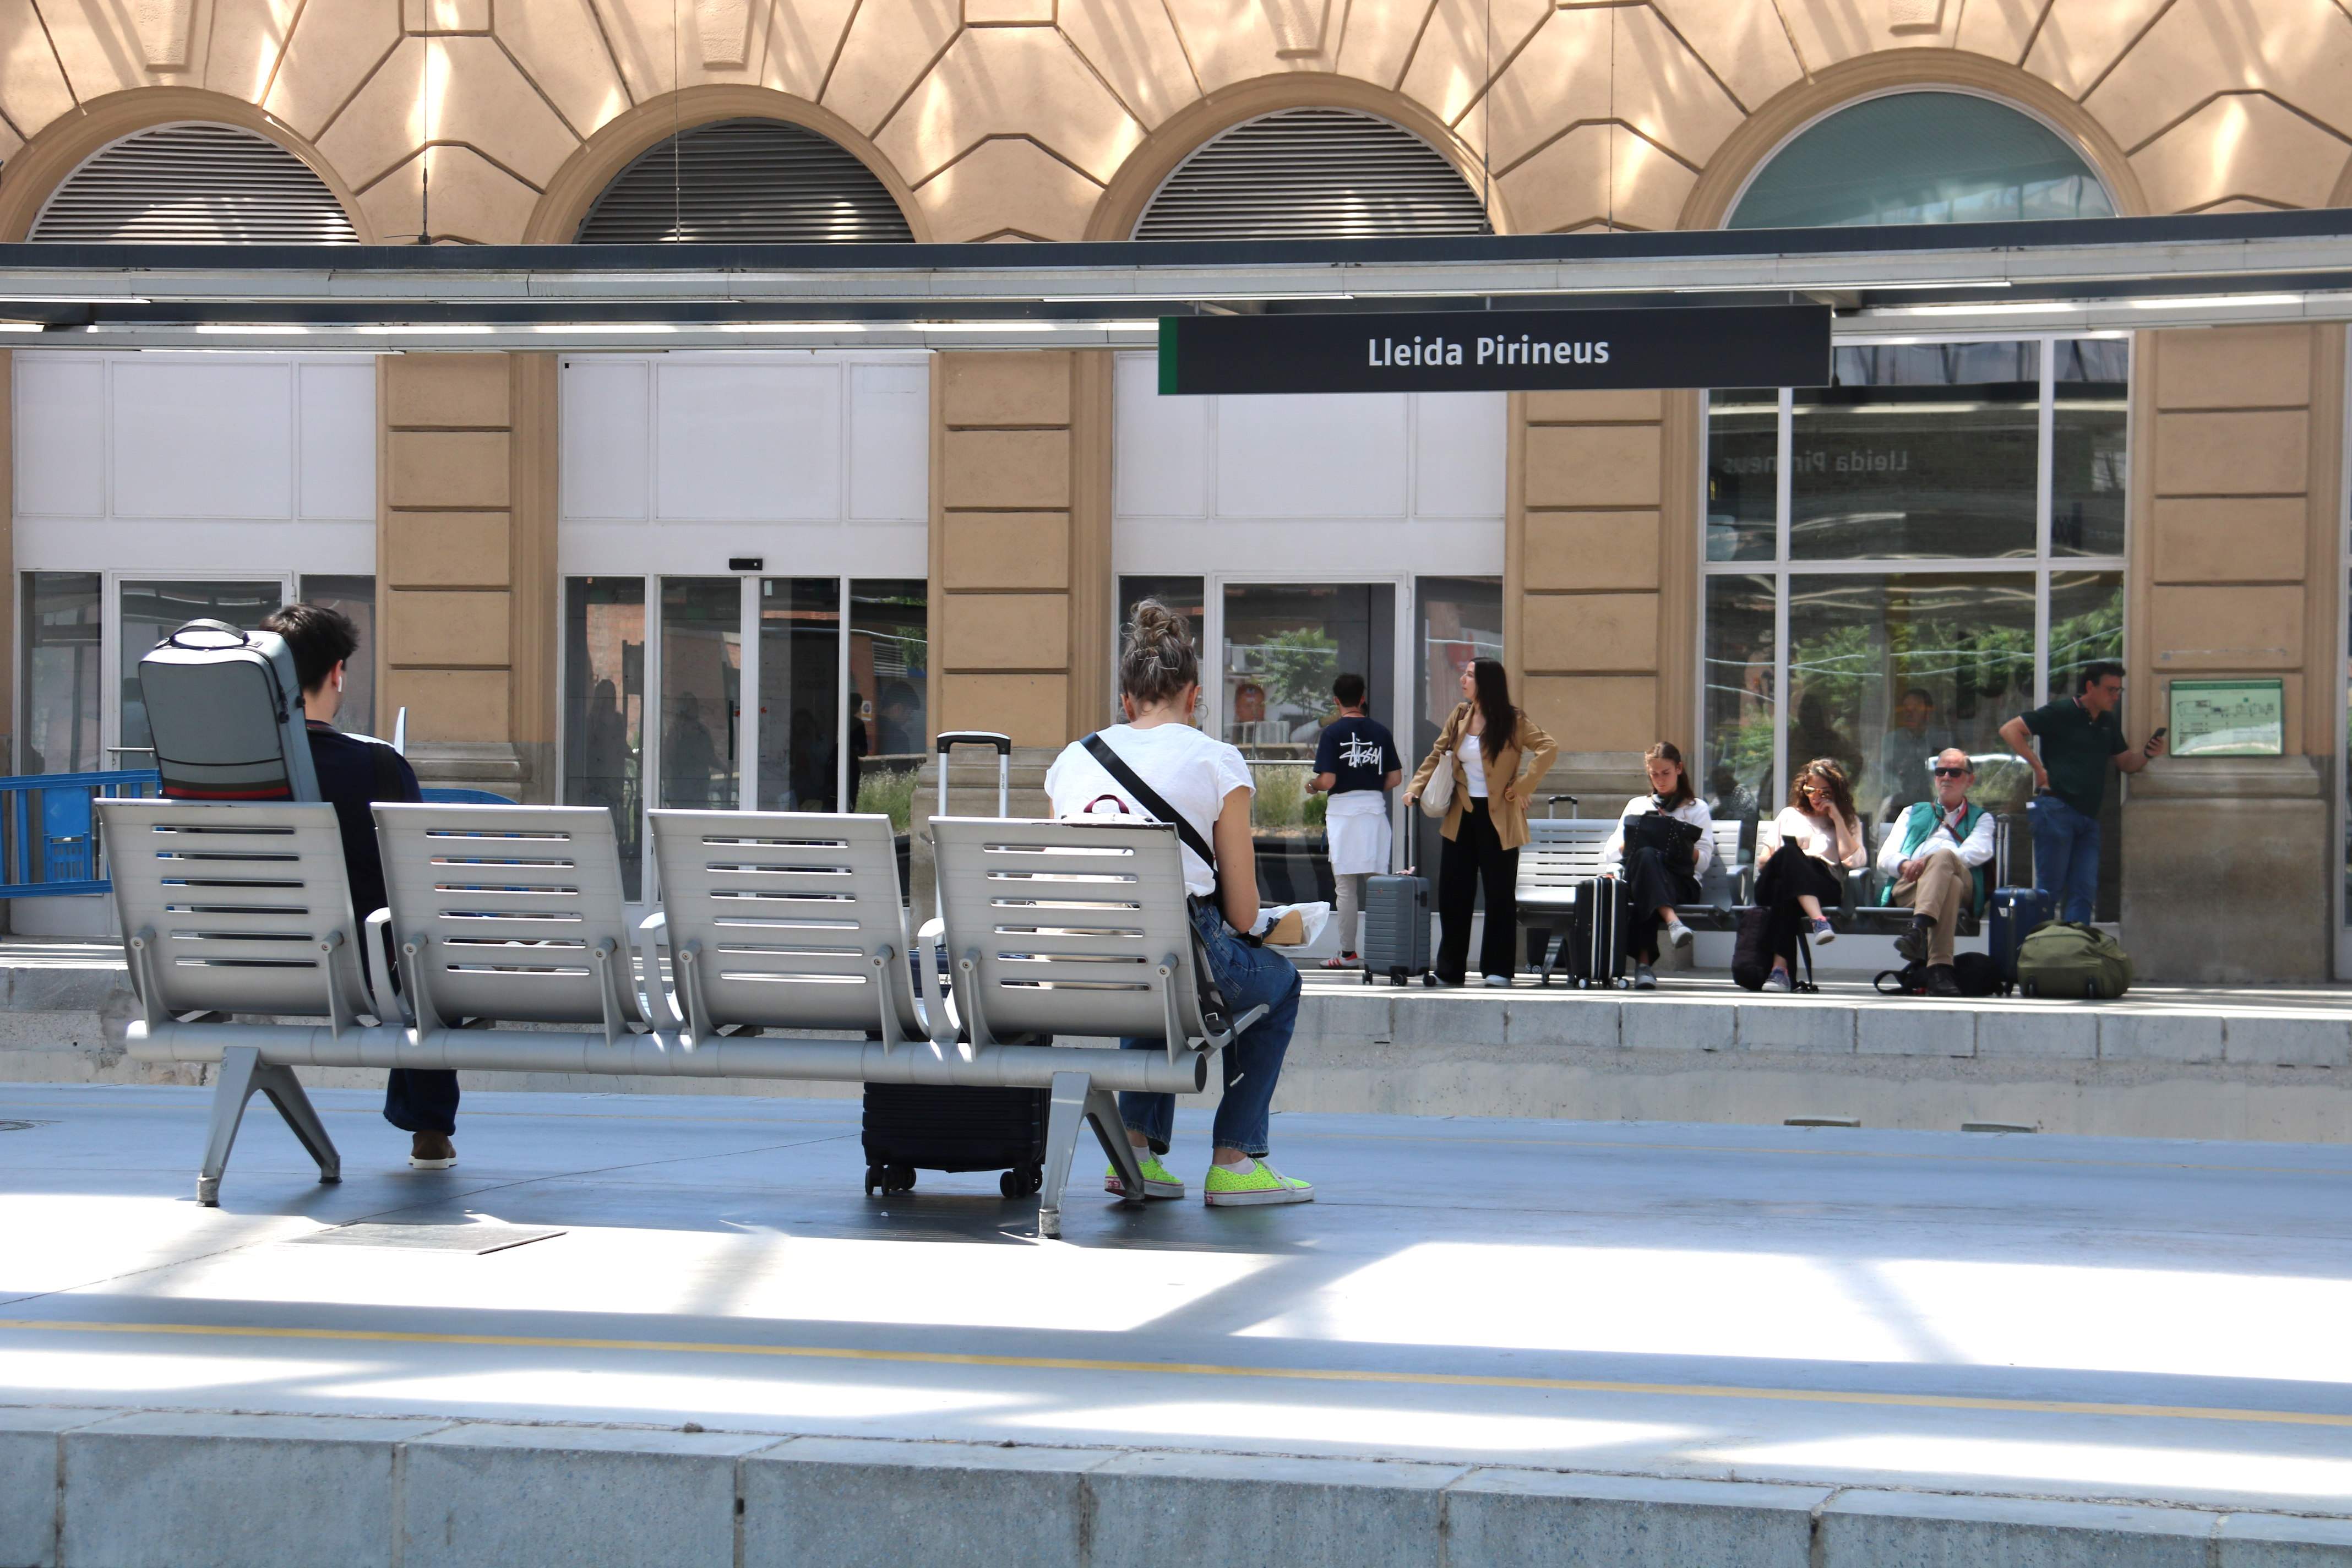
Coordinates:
1658	874
1802	855
1205	782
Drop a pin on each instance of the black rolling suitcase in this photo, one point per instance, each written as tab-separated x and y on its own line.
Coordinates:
911	1127
1595	943
1396	930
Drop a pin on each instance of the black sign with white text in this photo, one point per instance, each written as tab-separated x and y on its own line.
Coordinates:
1497	351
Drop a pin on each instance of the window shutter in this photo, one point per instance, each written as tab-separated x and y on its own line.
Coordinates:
193	185
1314	174
746	182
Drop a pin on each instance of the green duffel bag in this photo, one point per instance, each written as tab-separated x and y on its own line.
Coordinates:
2057	959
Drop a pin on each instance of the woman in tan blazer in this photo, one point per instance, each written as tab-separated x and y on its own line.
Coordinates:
1499	756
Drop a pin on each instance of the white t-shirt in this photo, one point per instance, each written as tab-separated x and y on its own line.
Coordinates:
1695	812
1474	767
1193	771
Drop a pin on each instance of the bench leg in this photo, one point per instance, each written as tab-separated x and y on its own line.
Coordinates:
242	1073
1076	1100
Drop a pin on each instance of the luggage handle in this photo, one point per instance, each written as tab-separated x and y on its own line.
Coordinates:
1551	804
218	636
950	739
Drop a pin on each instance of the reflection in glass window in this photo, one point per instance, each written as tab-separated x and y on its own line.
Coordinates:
799	693
702	686
1736	754
1922	157
1455	620
889	665
1743	473
2093	394
1917	452
1885	671
605	708
62	694
153	611
355	598
1188	597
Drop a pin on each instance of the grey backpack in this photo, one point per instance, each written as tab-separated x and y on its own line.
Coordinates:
227	713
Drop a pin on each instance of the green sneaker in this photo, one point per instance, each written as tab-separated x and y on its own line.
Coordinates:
1159	1182
1260	1183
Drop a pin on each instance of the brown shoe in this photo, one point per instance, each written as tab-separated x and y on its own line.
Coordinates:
431	1151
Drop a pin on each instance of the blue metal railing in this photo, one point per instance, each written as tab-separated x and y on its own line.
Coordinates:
48	834
50	842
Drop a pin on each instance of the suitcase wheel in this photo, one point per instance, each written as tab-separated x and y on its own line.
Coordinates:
1429	979
1023	1182
888	1179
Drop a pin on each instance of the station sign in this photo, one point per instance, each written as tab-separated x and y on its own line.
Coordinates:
1497	351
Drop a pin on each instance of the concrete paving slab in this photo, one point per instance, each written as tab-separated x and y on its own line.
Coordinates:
2283	1541
858	1503
1589	1019
181	1489
1504	1518
1313	1514
28	1480
2026	1032
525	1497
1648	1024
2150	1036
1916	1530
2276	1039
1787	1025
1912	1028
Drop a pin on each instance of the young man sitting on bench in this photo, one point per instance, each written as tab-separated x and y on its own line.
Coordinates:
355	773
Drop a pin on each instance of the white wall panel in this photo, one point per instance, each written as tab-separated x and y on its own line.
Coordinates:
746	442
335	416
1312	457
1159	465
61	436
605	410
889	442
1459	453
199	439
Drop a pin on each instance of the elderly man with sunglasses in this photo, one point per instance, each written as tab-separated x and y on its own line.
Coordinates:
1933	861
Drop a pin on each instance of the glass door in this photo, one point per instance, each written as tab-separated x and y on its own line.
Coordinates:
698	726
800	694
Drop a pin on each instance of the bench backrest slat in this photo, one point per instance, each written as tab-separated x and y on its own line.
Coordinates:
513	902
239	898
1561	852
788	910
1067	923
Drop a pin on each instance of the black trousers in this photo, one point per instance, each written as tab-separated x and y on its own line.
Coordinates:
1652	885
421	1100
1472	858
1787	876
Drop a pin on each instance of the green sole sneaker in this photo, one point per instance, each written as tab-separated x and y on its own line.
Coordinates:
1159	1182
1261	1184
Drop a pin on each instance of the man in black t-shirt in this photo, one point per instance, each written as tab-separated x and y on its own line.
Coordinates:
1356	760
2081	738
353	772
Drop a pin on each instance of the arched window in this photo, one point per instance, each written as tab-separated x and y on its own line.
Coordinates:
1922	157
193	185
1314	174
746	182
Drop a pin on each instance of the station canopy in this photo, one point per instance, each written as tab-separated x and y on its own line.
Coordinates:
1888	281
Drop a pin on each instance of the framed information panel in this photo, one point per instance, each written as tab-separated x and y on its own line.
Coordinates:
2228	718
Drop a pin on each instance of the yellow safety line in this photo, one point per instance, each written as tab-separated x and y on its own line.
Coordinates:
1206	1369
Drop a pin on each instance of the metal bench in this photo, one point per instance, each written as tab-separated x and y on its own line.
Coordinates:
1058	929
1561	855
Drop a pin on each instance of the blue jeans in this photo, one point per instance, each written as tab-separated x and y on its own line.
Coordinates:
1249	977
2065	856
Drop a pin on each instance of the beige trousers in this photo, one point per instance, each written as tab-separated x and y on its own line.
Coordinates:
1943	890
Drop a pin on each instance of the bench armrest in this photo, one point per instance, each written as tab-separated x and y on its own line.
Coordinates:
661	1008
381	955
938	1009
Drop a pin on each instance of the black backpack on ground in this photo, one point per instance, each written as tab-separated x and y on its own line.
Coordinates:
1751	952
1976	975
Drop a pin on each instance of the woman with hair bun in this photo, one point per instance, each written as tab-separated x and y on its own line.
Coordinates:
1205	782
1499	756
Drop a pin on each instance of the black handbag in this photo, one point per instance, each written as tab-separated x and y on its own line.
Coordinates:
1213	1010
1670	837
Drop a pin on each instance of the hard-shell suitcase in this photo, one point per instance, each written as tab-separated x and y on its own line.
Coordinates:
925	1126
1596	934
2015	912
1396	930
226	710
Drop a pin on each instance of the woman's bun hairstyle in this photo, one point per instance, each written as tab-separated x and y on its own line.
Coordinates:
1157	659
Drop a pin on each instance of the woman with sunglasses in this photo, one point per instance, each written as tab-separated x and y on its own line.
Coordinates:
1802	855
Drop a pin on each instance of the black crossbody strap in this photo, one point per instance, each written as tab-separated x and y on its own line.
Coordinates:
1149	798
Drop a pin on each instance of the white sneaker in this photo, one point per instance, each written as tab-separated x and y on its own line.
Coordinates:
1501	980
1678	933
1778	981
1644	977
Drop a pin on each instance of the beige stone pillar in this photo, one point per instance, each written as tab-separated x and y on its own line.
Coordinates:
1599	585
466	554
10	595
2236	570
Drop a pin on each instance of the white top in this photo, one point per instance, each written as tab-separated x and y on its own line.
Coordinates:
1474	767
1811	833
1695	812
1191	771
1974	850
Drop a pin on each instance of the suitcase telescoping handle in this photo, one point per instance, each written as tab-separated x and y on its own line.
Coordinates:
1551	804
948	741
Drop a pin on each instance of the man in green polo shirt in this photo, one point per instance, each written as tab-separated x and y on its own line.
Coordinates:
2081	738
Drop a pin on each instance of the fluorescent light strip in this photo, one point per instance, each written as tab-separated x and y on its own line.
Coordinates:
2018	308
2217	302
425	328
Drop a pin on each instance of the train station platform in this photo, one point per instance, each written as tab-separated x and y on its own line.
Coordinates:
636	1330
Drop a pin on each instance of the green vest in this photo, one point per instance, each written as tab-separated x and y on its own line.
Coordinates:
1919	823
